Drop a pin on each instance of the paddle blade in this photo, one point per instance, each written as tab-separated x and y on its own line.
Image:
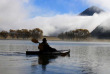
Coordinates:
35	40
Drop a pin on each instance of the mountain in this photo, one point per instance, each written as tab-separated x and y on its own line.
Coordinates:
90	11
101	32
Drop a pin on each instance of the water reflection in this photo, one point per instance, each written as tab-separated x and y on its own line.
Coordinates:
44	60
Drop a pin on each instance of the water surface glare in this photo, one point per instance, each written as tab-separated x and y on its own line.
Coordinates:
85	58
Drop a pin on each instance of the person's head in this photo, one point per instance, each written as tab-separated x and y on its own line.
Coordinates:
44	40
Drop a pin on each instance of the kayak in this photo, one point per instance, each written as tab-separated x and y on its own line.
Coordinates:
58	52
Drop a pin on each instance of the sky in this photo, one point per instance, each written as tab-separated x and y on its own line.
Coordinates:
54	7
52	16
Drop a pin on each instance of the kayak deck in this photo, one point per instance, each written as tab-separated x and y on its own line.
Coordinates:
59	52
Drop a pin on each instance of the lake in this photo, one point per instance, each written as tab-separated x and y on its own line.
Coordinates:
84	58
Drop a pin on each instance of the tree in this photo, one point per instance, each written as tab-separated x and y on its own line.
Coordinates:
18	34
4	34
12	33
25	33
82	33
36	33
78	34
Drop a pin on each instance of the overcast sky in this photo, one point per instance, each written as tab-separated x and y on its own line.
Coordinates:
52	16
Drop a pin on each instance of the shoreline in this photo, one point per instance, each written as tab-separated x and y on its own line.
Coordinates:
57	39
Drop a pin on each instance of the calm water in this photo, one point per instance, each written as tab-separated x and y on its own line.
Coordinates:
85	58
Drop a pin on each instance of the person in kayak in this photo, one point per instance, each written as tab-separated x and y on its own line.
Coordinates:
44	46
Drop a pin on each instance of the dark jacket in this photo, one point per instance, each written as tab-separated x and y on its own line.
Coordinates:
44	47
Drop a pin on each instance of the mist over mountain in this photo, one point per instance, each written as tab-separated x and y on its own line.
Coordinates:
89	21
90	11
102	31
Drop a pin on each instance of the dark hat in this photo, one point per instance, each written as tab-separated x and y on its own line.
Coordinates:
44	40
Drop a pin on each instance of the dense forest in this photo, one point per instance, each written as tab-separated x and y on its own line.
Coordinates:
23	33
78	34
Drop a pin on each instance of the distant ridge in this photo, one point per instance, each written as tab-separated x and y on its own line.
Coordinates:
90	11
101	32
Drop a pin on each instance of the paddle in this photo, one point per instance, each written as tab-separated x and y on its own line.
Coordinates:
34	40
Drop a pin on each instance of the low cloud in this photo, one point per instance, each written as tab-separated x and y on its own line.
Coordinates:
61	23
13	15
105	4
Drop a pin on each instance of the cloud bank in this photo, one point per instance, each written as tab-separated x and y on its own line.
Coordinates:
105	4
61	23
15	14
